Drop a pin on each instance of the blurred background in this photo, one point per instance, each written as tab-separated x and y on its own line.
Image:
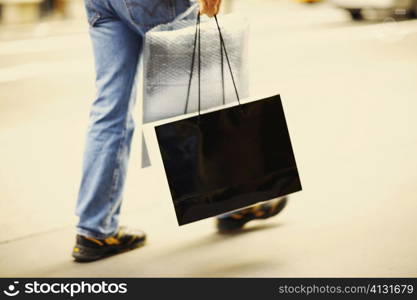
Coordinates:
347	73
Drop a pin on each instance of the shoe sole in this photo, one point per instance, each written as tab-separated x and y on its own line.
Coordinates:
83	258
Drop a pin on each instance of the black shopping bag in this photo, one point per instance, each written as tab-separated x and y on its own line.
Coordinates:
228	159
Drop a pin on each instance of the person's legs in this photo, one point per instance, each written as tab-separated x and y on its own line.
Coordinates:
116	28
116	49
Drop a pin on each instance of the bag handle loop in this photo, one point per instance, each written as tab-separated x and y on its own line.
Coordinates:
197	43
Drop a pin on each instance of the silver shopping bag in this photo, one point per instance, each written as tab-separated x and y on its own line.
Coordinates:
167	59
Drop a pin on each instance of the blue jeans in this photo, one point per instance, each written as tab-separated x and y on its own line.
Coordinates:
117	29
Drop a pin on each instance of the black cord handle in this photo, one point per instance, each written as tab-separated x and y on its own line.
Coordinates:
197	47
192	63
227	58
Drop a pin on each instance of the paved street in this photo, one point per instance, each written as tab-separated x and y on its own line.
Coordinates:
349	92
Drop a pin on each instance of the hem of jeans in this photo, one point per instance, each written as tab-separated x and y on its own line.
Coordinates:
92	234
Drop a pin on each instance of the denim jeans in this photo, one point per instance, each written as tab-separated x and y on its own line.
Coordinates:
117	29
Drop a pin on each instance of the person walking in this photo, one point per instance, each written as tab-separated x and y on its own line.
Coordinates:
117	29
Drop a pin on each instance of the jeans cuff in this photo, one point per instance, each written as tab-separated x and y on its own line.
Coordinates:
92	234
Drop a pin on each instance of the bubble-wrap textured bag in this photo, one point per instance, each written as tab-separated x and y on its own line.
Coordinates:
167	62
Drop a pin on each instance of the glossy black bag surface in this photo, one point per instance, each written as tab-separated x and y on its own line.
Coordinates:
228	159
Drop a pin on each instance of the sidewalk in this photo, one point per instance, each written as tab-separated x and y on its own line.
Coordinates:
349	96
